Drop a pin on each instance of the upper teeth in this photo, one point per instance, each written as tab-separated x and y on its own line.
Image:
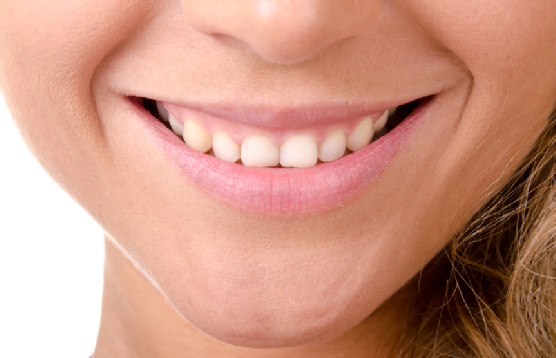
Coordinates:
361	135
162	111
381	123
297	150
225	148
259	151
177	127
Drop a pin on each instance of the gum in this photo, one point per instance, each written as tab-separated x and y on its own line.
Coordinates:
239	131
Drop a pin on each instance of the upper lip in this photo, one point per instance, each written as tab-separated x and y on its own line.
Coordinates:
301	116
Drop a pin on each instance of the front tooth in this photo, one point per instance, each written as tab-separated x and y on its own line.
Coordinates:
381	121
258	151
225	148
162	112
195	137
299	151
333	147
176	126
361	135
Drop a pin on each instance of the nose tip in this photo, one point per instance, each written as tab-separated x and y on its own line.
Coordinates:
284	31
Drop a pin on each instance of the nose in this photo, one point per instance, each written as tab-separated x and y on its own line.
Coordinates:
284	31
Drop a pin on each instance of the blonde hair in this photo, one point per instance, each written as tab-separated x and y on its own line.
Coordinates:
492	291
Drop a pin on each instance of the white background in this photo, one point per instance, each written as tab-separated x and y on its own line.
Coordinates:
51	256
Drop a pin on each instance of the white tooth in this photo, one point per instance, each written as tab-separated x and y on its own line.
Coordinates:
381	121
299	151
195	137
176	126
361	135
163	112
225	148
258	151
333	147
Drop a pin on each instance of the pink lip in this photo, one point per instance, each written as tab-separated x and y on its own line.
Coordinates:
289	118
284	190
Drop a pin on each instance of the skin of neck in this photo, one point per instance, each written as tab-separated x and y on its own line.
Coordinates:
137	321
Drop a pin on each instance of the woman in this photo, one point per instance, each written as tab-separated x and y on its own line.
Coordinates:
268	226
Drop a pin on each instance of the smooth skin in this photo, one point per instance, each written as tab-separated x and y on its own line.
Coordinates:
187	275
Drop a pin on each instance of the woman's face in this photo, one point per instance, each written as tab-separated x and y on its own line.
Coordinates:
279	256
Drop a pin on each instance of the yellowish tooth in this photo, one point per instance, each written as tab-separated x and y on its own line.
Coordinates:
333	147
361	135
195	137
258	151
299	151
378	125
176	126
225	148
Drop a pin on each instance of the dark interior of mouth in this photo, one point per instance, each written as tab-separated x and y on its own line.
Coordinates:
401	113
150	105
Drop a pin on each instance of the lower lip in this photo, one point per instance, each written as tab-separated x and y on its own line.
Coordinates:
285	190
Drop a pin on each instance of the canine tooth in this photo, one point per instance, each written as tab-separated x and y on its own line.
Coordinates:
299	151
381	121
162	112
225	148
195	137
333	147
176	126
258	151
361	135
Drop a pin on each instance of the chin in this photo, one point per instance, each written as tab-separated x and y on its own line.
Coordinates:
263	327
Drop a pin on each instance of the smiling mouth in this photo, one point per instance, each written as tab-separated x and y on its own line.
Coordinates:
292	185
260	147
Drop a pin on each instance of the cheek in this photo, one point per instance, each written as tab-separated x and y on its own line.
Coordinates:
508	48
50	51
64	41
510	40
